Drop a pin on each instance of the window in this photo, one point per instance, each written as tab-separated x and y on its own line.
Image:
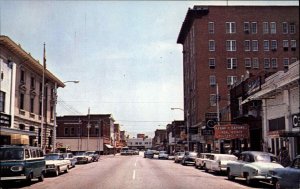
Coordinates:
2	101
41	87
231	45
212	100
293	60
285	44
254	45
231	63
274	62
266	45
66	131
40	107
285	28
266	63
211	27
293	45
212	62
211	45
247	45
254	28
247	62
230	27
255	63
31	104
273	27
286	62
231	80
265	27
73	131
22	77
21	101
246	27
212	80
274	45
292	28
32	83
51	112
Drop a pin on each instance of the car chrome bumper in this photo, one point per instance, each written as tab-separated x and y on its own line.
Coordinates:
13	178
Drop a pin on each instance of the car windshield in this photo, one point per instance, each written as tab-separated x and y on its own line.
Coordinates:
232	158
181	154
52	157
89	153
264	158
162	152
11	154
80	154
192	154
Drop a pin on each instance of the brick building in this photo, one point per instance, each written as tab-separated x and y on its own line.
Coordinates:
159	142
176	135
223	43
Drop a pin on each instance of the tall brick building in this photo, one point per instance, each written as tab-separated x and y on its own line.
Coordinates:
223	44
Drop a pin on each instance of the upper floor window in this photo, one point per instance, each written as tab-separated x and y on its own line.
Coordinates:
292	28
266	63
254	45
285	44
22	96
274	62
266	45
66	131
293	44
286	62
265	27
247	45
273	27
212	62
231	45
230	27
211	45
32	82
212	80
211	27
213	100
285	28
72	131
274	45
31	104
231	80
247	62
22	76
255	63
231	63
2	101
254	28
246	27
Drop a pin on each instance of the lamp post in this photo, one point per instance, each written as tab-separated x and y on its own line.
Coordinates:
187	126
54	108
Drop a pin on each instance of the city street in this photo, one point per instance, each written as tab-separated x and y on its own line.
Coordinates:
129	172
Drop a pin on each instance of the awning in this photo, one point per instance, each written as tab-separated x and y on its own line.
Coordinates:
9	131
108	146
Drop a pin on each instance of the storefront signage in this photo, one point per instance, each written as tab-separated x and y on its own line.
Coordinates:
231	131
207	132
5	120
296	120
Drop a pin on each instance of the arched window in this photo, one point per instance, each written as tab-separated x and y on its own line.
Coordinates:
22	126
31	128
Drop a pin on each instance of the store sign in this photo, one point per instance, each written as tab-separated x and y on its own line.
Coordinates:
207	132
5	120
296	120
231	131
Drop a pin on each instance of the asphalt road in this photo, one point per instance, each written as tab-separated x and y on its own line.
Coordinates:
135	172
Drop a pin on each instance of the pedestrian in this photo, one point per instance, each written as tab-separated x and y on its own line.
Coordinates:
284	157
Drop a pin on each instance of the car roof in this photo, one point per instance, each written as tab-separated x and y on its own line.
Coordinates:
255	153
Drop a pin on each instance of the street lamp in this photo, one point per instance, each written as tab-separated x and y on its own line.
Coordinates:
187	126
54	108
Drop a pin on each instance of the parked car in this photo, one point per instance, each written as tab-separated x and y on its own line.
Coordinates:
148	154
218	162
199	161
82	157
21	163
163	155
71	157
95	156
252	165
124	152
56	163
288	177
189	158
178	157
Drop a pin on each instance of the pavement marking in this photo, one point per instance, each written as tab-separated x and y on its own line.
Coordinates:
133	176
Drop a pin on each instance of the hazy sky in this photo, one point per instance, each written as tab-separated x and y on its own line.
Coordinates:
124	54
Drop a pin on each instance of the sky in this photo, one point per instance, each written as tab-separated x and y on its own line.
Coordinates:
123	53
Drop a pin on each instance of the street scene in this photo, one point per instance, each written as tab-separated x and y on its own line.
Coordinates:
149	94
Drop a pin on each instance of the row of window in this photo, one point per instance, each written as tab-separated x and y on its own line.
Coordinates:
2	101
232	63
252	27
231	45
139	143
71	131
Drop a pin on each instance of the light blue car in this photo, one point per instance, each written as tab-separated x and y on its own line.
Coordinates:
288	177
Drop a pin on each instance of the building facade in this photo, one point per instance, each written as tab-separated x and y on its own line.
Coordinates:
160	140
176	134
139	143
24	98
223	43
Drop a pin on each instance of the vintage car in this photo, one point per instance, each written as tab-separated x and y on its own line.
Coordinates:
218	162
149	154
288	177
21	163
56	163
95	156
71	157
82	157
253	165
163	155
189	158
178	157
199	161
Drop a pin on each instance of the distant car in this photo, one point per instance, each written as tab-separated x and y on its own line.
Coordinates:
218	162
71	157
148	154
189	158
288	177
163	155
253	165
199	161
95	156
55	163
124	152
82	157
178	157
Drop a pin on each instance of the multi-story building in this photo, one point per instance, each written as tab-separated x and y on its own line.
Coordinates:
139	143
160	141
220	45
176	135
123	138
140	135
86	132
22	98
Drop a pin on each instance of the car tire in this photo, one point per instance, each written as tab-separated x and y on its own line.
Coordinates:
56	173
277	185
27	182
41	177
229	176
67	170
249	181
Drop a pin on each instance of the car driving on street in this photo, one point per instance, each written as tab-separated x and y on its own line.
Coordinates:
56	163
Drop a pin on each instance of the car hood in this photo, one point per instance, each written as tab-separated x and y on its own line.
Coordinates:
50	162
264	166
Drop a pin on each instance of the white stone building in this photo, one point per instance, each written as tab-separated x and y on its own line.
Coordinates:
139	143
